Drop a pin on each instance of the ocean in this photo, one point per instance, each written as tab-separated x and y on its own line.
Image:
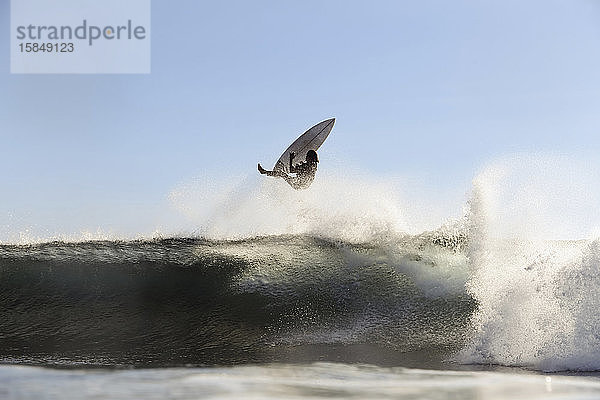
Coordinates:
280	317
327	299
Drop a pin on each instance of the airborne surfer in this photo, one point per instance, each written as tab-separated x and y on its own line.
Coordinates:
305	146
305	171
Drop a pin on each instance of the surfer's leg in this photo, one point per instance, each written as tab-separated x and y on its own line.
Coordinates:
291	180
265	172
277	173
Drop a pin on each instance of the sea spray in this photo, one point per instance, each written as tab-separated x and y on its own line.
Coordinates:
537	298
338	207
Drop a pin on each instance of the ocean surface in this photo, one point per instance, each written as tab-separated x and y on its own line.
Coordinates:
314	294
289	381
283	317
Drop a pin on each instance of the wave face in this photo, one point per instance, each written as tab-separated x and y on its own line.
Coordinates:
196	301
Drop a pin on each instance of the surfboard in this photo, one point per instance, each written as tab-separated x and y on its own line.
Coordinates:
312	139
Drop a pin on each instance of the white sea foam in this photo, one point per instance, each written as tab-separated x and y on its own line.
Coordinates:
538	298
289	381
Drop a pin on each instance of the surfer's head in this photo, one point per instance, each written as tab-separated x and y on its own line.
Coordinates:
311	157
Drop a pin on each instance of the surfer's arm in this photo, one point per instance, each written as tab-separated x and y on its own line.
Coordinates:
292	168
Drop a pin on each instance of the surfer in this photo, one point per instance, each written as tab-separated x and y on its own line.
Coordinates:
305	171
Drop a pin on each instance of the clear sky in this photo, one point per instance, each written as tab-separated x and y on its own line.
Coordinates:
426	89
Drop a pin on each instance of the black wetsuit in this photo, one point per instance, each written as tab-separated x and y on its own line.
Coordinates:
305	175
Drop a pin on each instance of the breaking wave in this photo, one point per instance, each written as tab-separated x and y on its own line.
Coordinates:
537	296
347	270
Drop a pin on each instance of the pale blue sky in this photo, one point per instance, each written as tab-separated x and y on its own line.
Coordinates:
428	89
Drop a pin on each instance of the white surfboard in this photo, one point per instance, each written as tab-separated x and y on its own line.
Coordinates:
312	139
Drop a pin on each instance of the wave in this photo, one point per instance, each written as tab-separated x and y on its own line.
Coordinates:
537	297
197	301
342	271
526	247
